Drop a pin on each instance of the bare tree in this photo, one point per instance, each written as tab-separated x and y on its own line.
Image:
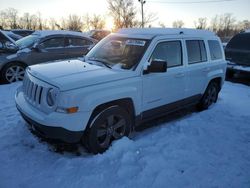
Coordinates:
178	24
224	25
243	25
12	18
96	22
25	21
73	22
3	19
123	13
149	18
214	24
201	23
40	21
161	24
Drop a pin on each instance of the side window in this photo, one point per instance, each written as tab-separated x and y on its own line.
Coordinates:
196	51
215	49
79	42
53	43
170	51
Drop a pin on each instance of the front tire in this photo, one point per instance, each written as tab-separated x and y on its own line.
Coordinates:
13	72
209	97
110	124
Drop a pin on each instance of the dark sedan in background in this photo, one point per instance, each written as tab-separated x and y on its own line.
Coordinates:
39	47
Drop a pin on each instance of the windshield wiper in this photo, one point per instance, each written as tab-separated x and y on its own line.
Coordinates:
100	61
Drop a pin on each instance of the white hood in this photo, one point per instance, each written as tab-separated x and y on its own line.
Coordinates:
71	74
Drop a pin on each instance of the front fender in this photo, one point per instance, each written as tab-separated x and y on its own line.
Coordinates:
88	98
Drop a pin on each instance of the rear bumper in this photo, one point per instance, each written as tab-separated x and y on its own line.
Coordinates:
54	133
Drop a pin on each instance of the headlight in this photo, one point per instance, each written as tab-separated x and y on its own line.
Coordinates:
51	97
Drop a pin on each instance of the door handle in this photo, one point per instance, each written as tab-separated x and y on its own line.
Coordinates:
179	75
206	69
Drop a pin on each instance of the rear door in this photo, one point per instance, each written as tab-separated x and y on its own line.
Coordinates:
77	46
197	66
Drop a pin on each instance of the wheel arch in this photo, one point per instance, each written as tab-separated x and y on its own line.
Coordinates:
218	81
126	103
16	61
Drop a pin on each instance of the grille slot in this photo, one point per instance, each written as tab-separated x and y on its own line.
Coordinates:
32	91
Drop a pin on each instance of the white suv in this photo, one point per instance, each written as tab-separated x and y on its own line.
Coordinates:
129	77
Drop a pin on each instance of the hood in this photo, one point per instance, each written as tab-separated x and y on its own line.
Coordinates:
72	74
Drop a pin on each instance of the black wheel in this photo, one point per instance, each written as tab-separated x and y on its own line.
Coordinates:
110	124
13	72
209	97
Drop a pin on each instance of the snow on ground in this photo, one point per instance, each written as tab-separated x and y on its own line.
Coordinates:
206	149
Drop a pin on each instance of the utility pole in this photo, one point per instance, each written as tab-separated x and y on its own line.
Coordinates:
142	14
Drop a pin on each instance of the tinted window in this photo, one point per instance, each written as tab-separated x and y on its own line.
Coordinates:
215	49
79	42
171	52
240	41
196	51
53	43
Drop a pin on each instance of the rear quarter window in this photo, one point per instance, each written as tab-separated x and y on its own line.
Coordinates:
215	49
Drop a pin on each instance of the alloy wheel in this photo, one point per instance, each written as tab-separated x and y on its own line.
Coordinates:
114	127
14	73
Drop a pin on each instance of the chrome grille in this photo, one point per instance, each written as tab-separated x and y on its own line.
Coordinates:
32	91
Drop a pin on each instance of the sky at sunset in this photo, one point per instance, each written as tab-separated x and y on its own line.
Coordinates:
165	12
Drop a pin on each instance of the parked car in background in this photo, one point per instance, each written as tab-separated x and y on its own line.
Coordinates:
98	34
12	35
237	54
22	32
39	47
129	77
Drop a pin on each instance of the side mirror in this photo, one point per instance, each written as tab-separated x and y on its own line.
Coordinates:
156	66
37	47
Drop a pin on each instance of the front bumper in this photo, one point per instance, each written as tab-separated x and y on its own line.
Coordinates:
54	133
68	128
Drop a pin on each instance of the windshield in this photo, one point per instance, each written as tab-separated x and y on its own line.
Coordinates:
27	42
120	52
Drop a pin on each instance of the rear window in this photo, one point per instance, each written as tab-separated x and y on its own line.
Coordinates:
240	41
215	49
196	51
77	42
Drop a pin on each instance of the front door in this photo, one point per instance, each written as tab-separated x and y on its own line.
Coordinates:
162	90
49	50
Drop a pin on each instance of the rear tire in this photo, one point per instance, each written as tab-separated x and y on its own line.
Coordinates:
209	97
108	125
12	72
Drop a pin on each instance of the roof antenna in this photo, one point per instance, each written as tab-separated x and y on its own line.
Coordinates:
181	32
